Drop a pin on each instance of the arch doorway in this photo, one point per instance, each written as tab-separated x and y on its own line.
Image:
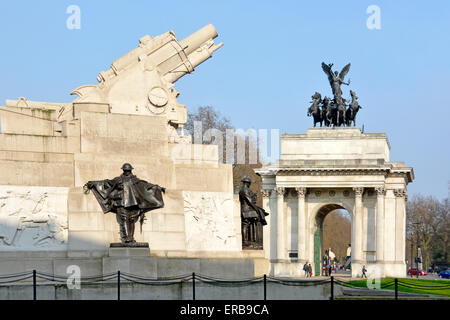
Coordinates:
332	238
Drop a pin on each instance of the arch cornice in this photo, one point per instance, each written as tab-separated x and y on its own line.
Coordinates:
332	171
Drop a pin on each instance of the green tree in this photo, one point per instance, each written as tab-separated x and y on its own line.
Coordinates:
337	233
427	226
212	119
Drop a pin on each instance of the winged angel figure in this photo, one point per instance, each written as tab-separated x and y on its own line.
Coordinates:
336	80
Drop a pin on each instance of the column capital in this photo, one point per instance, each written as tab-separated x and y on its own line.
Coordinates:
358	191
301	191
400	193
381	191
279	190
266	193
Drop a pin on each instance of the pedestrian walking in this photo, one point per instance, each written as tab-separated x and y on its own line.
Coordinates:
310	270
305	269
364	270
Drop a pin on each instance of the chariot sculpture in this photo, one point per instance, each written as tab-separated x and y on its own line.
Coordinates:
334	112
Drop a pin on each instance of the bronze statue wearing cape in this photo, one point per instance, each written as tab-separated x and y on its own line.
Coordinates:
129	198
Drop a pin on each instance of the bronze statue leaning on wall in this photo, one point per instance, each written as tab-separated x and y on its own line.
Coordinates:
252	217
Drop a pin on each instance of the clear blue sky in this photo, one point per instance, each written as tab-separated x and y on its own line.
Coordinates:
267	70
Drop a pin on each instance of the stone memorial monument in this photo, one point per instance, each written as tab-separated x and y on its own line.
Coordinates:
333	168
49	150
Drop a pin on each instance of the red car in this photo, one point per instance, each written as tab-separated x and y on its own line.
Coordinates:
413	272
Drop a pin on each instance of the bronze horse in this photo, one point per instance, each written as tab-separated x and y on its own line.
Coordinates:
314	109
352	110
328	112
341	113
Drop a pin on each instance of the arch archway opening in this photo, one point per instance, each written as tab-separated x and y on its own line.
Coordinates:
332	240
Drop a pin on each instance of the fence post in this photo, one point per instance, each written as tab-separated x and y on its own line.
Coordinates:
396	288
118	284
193	285
332	288
265	287
34	284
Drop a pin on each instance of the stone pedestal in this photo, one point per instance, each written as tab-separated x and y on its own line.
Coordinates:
49	150
129	251
131	260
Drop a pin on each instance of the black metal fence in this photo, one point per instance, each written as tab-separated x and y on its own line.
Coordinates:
35	276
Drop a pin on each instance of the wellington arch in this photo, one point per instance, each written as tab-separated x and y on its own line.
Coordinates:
336	168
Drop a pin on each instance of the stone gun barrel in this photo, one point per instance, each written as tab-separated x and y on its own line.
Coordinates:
197	47
171	58
195	40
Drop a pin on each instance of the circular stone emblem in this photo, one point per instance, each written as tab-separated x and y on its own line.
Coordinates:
158	97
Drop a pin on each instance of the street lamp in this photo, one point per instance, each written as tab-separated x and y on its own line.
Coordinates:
417	256
418	260
411	257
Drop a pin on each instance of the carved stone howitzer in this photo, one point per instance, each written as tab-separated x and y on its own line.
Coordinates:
141	81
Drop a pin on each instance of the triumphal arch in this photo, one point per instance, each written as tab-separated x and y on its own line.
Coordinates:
335	168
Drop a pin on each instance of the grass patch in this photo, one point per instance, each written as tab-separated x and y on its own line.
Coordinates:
410	285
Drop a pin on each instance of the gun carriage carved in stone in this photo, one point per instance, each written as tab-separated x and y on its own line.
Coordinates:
142	81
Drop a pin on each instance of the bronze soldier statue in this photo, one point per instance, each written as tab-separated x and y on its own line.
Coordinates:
129	198
252	217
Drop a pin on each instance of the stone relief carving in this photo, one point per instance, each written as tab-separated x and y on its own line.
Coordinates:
209	221
301	191
33	218
400	192
381	191
358	191
265	193
280	191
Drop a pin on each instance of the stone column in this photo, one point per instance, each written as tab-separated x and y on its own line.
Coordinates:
301	230
357	227
280	223
400	224
266	229
380	223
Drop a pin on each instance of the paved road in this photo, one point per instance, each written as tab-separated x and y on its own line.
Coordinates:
346	275
433	276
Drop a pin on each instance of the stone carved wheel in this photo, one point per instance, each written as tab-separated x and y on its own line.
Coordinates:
158	99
